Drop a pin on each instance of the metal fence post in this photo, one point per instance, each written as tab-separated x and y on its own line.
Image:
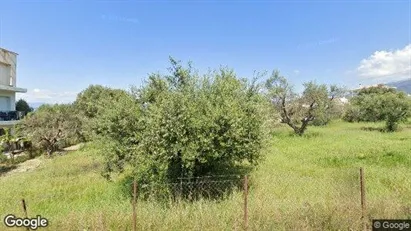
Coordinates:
23	202
245	202
134	205
363	200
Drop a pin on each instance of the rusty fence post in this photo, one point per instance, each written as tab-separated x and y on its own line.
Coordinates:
134	205
245	202
23	202
363	200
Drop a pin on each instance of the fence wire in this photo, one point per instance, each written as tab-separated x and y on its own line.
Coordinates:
327	199
194	188
282	201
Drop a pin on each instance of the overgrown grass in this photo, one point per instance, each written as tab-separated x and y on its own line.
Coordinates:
305	183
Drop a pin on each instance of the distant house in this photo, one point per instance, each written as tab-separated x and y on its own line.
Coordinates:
8	89
343	100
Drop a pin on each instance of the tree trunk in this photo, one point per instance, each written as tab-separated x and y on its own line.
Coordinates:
49	153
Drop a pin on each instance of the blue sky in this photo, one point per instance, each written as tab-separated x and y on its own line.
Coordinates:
64	46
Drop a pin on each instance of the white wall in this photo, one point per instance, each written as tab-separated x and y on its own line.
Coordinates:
12	96
8	65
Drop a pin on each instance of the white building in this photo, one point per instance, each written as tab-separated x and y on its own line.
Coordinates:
8	89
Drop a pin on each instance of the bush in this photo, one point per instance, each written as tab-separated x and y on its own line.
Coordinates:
379	104
352	114
96	104
188	126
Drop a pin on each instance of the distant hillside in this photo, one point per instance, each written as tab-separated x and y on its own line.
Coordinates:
404	85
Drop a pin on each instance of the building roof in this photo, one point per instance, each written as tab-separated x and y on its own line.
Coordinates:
4	50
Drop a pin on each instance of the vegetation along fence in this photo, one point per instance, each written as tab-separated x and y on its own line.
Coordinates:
344	199
296	204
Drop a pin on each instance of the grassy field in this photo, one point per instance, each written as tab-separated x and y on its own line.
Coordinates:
304	183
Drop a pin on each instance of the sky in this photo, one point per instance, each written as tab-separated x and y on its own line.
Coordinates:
64	46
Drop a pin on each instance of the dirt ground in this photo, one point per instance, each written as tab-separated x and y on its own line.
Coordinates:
29	165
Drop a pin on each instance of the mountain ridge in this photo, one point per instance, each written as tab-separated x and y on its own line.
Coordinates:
402	85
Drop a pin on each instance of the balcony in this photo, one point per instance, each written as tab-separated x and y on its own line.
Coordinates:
12	89
10	118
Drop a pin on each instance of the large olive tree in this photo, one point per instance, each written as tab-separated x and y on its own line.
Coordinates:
186	125
299	110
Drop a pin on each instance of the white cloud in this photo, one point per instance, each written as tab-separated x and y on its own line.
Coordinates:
119	18
296	72
318	43
387	65
48	96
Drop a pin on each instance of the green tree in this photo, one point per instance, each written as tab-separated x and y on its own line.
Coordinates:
22	105
395	110
379	103
51	126
95	104
189	126
298	111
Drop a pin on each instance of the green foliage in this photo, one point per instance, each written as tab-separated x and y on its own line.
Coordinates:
308	185
185	125
379	103
396	108
7	139
51	125
315	105
379	90
22	105
3	158
325	115
352	114
96	105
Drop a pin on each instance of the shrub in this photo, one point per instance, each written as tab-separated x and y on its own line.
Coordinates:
352	114
185	125
379	103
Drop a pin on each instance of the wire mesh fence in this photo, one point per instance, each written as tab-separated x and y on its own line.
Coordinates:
336	200
192	188
331	199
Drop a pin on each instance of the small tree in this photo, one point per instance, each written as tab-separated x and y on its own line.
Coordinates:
298	111
50	126
22	105
395	109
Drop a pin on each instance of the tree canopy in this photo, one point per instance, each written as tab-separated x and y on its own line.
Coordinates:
299	110
379	103
51	126
22	105
186	125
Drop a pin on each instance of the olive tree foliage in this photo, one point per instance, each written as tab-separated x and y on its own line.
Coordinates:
379	103
299	110
96	105
51	126
187	125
